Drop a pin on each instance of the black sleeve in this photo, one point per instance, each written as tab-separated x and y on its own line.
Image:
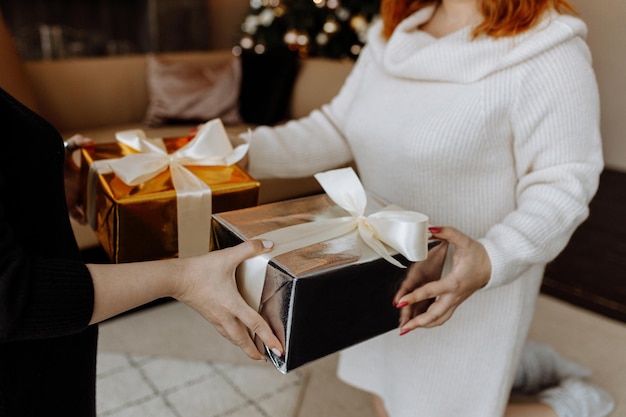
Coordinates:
45	288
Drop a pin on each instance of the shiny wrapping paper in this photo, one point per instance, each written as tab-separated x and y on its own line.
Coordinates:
138	223
321	298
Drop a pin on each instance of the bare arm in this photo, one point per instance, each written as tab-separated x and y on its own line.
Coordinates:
205	283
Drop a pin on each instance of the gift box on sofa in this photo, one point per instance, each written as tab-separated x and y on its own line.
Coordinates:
153	198
323	288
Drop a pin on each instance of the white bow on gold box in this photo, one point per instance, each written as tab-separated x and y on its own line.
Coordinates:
153	198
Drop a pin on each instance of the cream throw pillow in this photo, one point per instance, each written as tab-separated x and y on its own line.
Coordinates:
184	92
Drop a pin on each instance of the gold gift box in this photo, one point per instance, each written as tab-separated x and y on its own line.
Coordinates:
138	223
321	298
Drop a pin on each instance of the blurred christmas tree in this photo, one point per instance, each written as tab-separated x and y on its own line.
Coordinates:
328	28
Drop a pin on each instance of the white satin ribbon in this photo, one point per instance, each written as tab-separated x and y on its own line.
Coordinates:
210	147
405	232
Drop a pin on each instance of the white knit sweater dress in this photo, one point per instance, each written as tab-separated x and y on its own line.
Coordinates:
498	138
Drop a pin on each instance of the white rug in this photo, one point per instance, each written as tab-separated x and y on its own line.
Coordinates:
134	385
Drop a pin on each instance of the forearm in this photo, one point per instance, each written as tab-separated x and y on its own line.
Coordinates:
311	144
122	287
205	283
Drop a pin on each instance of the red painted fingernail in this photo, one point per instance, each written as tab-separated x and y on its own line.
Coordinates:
405	331
402	304
434	229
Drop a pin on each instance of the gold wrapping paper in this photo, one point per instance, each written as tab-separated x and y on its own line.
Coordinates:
137	223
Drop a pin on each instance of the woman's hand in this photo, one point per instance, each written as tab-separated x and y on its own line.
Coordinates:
72	177
206	283
209	287
471	269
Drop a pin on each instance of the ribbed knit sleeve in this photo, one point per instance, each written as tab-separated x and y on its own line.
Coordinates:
40	296
308	145
60	301
558	157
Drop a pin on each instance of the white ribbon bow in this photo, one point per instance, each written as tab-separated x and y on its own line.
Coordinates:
210	147
404	231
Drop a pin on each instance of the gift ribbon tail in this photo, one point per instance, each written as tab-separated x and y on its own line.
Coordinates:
95	169
193	208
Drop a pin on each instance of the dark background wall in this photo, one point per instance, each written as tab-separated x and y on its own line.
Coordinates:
51	29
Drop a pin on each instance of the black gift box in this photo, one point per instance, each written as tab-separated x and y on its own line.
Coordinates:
319	299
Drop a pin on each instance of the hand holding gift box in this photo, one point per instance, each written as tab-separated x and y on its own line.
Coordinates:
335	267
153	198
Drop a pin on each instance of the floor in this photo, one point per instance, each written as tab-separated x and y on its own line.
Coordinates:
162	386
174	330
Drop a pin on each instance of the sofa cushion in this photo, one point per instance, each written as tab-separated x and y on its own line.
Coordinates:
187	92
84	93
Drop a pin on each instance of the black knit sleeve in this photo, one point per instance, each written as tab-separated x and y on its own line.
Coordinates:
40	297
45	289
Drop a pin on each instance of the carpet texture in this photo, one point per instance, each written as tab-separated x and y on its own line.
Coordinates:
135	385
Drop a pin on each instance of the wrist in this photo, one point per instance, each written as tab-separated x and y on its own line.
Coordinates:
180	282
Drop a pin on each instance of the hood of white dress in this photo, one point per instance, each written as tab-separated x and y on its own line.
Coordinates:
415	54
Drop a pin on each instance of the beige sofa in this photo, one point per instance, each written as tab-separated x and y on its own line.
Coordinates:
100	95
97	97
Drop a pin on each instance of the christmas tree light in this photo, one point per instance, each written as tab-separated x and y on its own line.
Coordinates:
328	28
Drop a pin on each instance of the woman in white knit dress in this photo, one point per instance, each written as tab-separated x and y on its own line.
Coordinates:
484	115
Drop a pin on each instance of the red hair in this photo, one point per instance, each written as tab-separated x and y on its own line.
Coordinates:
501	17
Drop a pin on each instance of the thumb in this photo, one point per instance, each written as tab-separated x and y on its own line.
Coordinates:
251	248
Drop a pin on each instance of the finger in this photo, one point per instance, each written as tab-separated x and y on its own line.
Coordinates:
416	276
425	292
423	272
236	333
413	310
438	254
410	311
436	315
255	323
450	234
405	288
406	314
